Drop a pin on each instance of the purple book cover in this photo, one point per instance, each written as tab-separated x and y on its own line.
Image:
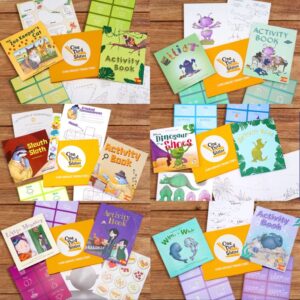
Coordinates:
113	234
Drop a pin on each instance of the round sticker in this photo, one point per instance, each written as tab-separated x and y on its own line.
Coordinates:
227	248
71	159
228	63
76	52
214	148
70	242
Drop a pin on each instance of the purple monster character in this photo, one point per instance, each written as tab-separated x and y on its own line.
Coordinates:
267	54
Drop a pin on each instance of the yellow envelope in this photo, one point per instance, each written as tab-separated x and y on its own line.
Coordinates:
216	152
228	61
71	240
226	246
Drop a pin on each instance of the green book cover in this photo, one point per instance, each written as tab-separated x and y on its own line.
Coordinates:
123	55
184	63
270	52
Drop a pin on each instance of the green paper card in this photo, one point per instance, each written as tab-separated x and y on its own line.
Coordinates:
258	147
184	63
123	56
114	13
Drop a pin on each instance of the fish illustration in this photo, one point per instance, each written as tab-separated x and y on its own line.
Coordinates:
193	245
175	250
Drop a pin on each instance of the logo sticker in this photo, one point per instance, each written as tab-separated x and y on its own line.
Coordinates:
76	52
227	248
71	159
228	63
70	242
214	148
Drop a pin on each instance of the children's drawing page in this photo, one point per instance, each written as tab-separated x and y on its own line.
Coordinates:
89	193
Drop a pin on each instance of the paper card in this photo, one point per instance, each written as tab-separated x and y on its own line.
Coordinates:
80	122
88	193
270	239
195	287
114	13
257	146
268	283
179	247
281	185
58	16
237	113
32	121
271	92
35	191
226	246
36	283
176	186
95	91
204	117
31	50
29	242
116	281
196	95
208	21
54	137
39	90
71	240
184	63
216	152
57	212
81	56
76	160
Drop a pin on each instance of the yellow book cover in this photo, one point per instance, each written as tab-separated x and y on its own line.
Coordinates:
228	61
226	246
76	160
81	56
216	152
31	50
71	240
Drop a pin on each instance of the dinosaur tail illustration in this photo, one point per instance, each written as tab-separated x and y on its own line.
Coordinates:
191	187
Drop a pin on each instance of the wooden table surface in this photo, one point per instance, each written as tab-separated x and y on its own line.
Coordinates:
131	124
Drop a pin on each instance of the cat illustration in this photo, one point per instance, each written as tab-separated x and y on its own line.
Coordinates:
33	59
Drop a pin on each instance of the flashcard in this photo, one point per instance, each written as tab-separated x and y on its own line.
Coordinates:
89	193
270	239
226	246
176	186
271	92
95	91
184	63
216	152
71	240
196	95
36	283
113	13
204	117
31	50
195	287
183	247
32	121
228	60
30	242
39	90
35	191
257	146
54	137
58	16
57	212
237	113
268	283
80	122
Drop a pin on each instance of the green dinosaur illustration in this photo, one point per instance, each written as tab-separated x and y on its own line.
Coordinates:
178	154
257	151
179	195
178	180
165	192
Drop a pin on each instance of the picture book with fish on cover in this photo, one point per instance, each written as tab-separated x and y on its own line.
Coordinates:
183	247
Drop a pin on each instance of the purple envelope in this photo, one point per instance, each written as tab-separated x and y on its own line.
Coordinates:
57	212
268	284
35	283
195	287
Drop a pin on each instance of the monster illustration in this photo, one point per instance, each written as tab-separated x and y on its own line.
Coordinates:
271	241
178	154
165	193
257	151
192	245
188	67
72	112
177	181
175	250
179	195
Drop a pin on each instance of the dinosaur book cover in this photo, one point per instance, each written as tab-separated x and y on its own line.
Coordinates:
31	50
27	156
184	63
113	234
176	186
81	56
123	55
258	147
270	52
173	148
183	247
271	238
118	170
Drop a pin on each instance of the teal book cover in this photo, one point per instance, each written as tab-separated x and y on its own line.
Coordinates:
184	63
183	247
270	52
258	147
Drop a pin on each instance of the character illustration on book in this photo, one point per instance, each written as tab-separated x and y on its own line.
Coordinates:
72	112
188	68
257	151
110	243
176	248
206	25
193	245
178	154
19	165
22	247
